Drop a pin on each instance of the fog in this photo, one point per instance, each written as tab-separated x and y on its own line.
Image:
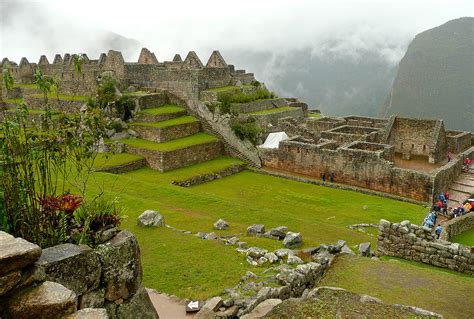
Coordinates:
260	36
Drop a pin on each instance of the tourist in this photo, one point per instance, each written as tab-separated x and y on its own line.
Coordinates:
324	177
441	197
438	230
331	177
449	156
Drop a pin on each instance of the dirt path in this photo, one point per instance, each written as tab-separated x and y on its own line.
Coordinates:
168	307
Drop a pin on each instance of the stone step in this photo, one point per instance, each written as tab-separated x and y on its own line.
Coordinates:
177	153
162	113
118	163
167	130
457	196
467	189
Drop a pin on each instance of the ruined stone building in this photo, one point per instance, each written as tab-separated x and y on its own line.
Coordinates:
399	156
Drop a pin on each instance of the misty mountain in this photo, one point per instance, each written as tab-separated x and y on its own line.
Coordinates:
435	78
337	84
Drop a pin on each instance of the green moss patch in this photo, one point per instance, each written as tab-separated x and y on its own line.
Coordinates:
108	160
165	109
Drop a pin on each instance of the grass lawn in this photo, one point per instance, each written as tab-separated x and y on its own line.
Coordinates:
465	238
315	115
168	123
192	268
16	101
275	110
399	281
107	160
225	89
62	97
165	109
199	138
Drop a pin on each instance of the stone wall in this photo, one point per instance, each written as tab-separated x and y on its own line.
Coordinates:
271	119
412	242
60	280
165	161
350	165
168	133
201	179
458	141
457	225
258	105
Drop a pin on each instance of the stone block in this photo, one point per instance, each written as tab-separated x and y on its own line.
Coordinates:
139	305
89	313
121	267
75	267
8	281
48	300
16	253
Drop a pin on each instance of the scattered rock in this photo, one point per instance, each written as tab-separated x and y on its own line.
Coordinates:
8	281
346	250
242	244
255	229
271	257
279	231
211	236
256	252
364	249
294	260
232	241
248	275
221	225
150	218
213	304
293	240
201	235
284	252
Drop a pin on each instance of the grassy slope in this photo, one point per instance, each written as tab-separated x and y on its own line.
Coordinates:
199	138
165	109
275	110
172	122
465	238
169	261
104	160
403	282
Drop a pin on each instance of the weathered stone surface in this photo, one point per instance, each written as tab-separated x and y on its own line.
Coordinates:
364	249
255	229
262	309
211	236
139	306
16	253
293	240
279	231
107	234
346	250
294	260
8	281
209	308
150	218
121	267
92	299
256	252
271	257
233	241
48	300
75	267
221	225
89	313
284	252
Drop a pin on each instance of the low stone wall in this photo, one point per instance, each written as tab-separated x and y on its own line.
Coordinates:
128	167
60	280
457	225
418	243
164	134
36	103
264	120
201	179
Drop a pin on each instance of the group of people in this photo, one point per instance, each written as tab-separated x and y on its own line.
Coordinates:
430	221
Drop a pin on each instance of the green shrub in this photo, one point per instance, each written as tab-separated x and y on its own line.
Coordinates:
255	83
248	129
117	126
106	91
124	106
259	94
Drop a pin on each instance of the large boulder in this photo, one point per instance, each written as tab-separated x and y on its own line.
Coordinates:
262	309
8	281
16	253
150	218
139	306
279	231
89	313
221	225
75	267
48	300
293	240
121	267
256	229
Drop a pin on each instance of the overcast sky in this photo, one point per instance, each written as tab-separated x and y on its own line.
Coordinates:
31	28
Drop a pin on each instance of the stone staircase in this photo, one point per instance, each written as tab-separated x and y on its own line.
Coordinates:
462	188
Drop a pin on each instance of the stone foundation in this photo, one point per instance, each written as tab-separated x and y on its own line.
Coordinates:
164	134
457	225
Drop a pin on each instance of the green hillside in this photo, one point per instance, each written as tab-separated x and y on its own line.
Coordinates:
436	76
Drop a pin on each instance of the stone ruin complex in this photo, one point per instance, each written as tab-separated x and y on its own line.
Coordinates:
399	156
